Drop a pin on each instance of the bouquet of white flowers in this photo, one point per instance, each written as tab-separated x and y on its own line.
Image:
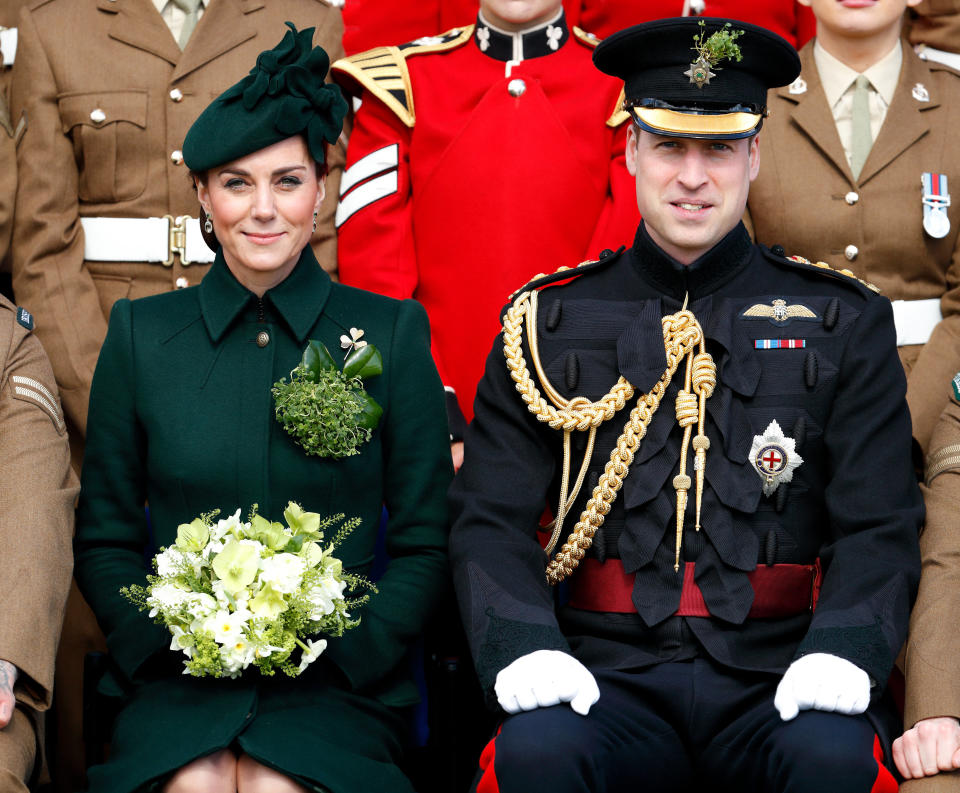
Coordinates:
236	593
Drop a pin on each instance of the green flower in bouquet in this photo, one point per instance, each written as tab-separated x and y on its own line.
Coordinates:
235	594
326	409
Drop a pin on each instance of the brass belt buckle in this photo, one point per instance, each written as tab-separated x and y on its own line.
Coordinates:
177	242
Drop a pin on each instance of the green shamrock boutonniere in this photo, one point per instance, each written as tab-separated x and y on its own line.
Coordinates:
719	46
326	409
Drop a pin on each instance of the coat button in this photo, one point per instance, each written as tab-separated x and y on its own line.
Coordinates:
263	338
176	95
851	198
851	252
176	157
181	283
97	116
516	87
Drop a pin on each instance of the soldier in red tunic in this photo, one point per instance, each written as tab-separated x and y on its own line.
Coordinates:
478	159
372	23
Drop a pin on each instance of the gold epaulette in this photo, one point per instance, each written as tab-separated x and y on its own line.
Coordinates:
825	266
383	71
543	279
590	39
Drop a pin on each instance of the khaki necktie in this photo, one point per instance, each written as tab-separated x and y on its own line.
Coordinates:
861	138
191	8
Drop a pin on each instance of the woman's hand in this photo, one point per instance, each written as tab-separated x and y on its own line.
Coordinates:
930	746
8	676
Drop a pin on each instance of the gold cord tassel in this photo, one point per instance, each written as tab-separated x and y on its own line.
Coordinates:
681	335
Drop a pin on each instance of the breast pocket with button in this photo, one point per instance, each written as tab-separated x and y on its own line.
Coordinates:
108	130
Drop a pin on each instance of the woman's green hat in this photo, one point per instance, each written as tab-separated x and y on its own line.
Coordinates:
284	95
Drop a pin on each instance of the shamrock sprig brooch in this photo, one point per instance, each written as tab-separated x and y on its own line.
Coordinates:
324	408
710	51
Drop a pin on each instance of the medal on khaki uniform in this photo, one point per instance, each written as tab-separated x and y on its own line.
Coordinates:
936	199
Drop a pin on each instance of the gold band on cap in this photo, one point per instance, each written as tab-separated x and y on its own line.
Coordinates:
673	122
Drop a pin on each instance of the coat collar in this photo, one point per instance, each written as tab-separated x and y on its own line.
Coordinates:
811	113
697	279
298	300
534	42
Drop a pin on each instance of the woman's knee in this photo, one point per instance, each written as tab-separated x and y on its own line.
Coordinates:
254	777
215	773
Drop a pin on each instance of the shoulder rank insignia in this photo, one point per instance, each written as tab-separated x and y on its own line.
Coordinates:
774	456
825	266
383	70
25	318
779	313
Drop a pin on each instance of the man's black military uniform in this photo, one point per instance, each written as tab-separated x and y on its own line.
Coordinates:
806	374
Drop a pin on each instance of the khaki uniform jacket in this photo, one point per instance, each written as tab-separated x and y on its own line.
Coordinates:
119	57
37	491
933	646
807	200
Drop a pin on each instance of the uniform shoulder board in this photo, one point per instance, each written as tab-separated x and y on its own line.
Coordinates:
620	113
383	71
566	273
583	36
845	275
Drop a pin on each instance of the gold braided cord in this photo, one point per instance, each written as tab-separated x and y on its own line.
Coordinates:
681	334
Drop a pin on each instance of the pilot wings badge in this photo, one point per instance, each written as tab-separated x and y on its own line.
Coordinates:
780	313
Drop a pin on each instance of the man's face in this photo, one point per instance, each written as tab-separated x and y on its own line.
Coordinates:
518	14
690	192
857	19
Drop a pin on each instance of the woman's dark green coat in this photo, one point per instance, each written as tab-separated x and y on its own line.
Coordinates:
181	418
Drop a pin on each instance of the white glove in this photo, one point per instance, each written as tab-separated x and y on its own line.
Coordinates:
821	681
544	678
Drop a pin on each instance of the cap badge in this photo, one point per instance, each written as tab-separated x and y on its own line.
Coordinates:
920	93
779	312
774	457
710	51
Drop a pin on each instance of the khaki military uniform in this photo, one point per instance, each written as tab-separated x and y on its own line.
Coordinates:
933	646
8	178
37	492
807	200
109	97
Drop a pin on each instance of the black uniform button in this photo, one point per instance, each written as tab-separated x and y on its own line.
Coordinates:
831	314
553	316
606	253
780	499
770	547
778	250
799	432
571	371
811	369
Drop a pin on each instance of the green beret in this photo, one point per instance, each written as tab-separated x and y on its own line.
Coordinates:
284	95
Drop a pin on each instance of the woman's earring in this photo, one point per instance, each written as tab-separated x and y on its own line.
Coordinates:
314	221
208	225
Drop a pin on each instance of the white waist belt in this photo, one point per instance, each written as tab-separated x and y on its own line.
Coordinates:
145	240
8	43
915	320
